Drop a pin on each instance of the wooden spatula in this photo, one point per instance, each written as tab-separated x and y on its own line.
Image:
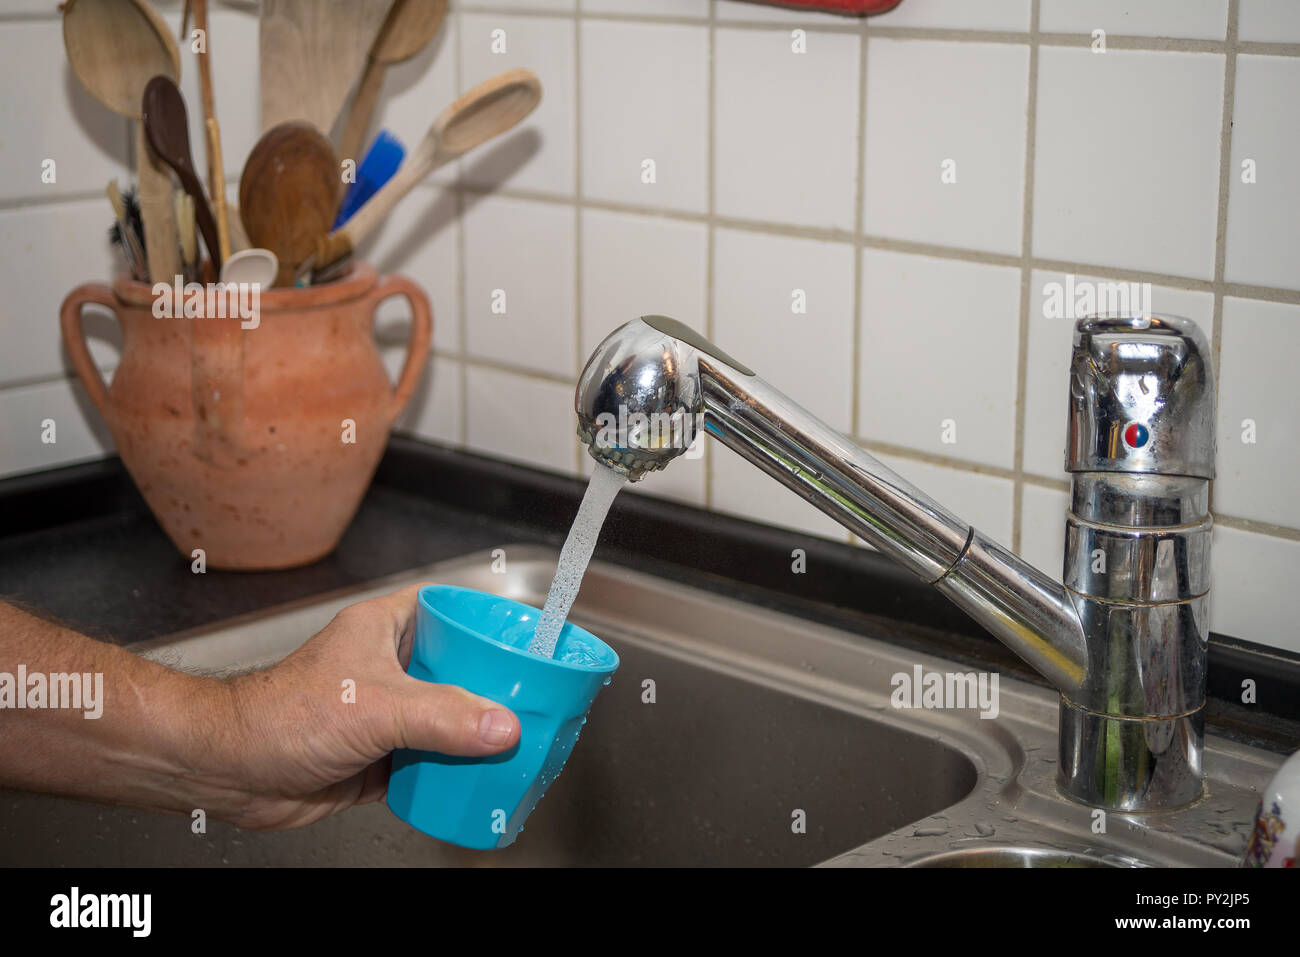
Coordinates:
311	51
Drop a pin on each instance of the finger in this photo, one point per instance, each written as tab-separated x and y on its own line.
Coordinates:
374	780
400	608
451	720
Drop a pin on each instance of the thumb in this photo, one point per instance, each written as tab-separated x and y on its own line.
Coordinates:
450	720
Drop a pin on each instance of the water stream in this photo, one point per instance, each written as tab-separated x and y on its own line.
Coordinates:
574	558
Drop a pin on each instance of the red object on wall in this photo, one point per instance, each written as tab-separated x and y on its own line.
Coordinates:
842	6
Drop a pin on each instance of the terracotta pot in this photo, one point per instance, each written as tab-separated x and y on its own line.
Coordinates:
252	442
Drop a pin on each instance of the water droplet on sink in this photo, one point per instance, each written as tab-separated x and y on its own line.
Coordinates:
929	832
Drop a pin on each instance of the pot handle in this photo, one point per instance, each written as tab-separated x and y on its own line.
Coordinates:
417	349
74	337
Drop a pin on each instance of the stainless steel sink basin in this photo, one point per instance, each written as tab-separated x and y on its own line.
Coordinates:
760	721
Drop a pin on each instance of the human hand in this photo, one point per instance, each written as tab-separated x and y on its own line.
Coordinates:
295	750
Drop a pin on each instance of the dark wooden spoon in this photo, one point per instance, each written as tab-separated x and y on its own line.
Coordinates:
166	125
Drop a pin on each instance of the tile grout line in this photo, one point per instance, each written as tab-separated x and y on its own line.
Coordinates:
711	216
1026	282
462	284
1221	226
577	213
531	373
859	216
1254	527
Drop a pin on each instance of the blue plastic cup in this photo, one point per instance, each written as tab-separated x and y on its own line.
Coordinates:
480	642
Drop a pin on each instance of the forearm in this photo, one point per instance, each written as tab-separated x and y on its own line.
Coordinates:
161	740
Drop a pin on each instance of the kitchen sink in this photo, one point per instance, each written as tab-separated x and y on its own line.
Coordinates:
731	736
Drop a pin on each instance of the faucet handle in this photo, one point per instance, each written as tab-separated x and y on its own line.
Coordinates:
1141	397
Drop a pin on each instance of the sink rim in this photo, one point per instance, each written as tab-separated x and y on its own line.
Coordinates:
1024	851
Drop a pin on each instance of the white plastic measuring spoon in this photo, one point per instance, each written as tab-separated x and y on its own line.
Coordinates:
251	266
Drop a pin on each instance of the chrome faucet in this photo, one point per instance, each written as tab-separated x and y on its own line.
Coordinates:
1123	638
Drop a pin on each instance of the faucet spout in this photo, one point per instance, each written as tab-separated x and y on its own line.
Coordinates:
1028	611
657	370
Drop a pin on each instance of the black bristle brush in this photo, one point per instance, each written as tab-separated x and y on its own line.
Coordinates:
127	231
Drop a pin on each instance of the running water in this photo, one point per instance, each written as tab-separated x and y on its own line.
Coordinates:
574	558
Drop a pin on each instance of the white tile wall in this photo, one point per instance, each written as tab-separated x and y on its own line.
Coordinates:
434	411
663	8
1127	163
1254	595
1269	21
1042	527
520	4
937	368
759	282
71	240
645	88
419	239
959	15
914	287
1199	19
539	153
27	443
1259	455
636	265
518	418
52	117
946	165
756	11
1263	213
761	77
520	253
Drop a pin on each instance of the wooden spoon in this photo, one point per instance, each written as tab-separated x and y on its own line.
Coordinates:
289	193
407	29
115	47
167	126
311	51
488	110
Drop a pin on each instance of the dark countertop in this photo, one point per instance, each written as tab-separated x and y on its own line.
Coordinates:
80	544
119	578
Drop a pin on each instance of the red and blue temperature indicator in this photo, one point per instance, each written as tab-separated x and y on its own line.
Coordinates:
1136	436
